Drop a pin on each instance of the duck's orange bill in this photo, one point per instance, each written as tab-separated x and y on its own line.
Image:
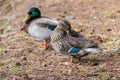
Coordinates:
26	18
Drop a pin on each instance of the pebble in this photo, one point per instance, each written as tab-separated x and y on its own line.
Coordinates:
109	29
70	17
113	20
118	42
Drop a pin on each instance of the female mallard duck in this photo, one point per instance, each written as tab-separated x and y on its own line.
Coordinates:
76	47
38	26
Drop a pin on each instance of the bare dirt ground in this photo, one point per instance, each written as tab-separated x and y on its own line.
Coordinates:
20	58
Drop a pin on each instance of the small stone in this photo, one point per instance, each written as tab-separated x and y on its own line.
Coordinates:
24	58
115	49
109	29
118	42
44	64
118	11
95	63
6	51
70	17
66	63
18	64
112	20
96	18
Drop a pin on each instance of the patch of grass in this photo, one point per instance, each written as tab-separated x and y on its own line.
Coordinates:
63	1
9	28
66	72
93	59
82	1
110	43
22	33
16	69
18	1
77	29
105	76
12	40
107	38
108	14
1	50
28	69
115	49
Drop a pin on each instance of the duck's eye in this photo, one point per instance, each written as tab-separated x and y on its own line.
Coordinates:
29	13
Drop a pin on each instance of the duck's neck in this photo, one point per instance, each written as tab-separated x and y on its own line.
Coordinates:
31	19
25	27
57	34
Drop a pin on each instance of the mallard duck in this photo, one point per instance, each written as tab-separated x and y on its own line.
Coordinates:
75	47
39	26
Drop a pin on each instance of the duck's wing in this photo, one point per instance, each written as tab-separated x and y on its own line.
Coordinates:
80	42
45	22
76	34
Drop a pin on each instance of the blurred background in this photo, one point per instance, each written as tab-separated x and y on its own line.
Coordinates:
21	59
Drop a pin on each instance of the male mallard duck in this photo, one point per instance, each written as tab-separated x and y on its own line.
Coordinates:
38	26
76	47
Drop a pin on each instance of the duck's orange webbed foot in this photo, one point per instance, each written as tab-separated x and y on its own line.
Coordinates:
71	59
44	46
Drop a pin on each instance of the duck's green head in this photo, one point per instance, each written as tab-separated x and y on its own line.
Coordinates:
33	13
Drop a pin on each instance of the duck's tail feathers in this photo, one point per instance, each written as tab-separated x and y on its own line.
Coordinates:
86	51
92	50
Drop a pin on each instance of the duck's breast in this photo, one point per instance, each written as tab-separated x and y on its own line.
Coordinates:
40	33
61	47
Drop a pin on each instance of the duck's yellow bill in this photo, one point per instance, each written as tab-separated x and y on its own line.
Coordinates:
26	18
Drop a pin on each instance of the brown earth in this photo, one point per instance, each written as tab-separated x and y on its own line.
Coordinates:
20	58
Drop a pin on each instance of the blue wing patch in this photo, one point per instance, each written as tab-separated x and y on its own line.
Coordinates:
51	28
74	50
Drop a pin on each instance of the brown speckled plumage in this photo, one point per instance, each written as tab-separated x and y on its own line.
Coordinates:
62	41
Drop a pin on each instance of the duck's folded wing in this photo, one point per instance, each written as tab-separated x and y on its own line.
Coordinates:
46	22
80	42
72	42
76	34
